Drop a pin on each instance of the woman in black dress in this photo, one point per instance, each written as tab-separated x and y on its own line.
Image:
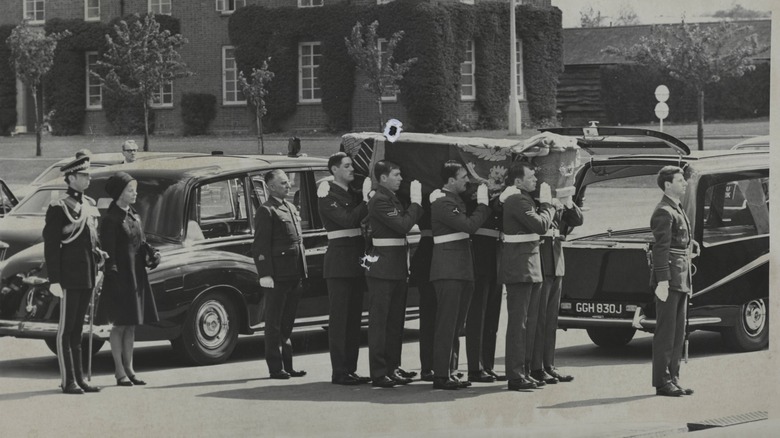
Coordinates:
126	288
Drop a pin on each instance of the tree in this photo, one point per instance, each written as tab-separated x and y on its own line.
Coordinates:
32	55
255	92
382	71
737	12
626	16
139	60
590	17
697	55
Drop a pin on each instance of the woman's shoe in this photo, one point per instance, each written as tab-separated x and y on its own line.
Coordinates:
124	381
137	382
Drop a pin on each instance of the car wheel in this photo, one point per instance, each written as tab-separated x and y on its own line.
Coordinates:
97	344
210	332
611	337
751	331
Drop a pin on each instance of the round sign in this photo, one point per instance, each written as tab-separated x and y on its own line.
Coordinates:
662	93
661	110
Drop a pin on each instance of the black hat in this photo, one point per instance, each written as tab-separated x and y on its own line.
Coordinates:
80	164
117	183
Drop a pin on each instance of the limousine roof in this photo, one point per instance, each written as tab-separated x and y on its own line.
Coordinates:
701	161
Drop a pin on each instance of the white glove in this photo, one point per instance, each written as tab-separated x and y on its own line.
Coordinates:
557	204
55	289
267	282
482	194
545	194
508	191
695	251
436	194
367	184
323	189
415	192
662	290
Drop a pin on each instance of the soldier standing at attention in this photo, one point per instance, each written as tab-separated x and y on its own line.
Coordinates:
388	272
671	280
521	269
72	258
420	271
341	212
452	267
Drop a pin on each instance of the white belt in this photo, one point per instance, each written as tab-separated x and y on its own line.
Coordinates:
352	232
426	233
679	251
520	238
389	241
450	237
553	232
488	232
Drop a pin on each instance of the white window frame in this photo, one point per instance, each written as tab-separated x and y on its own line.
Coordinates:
158	97
310	3
520	77
385	97
229	6
158	8
225	80
470	60
314	67
88	9
92	82
468	2
383	2
32	14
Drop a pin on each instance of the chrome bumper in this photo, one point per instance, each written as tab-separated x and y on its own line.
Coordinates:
576	322
42	330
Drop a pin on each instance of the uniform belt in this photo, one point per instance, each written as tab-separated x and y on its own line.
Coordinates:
679	251
426	233
338	234
520	238
377	241
552	232
452	237
488	232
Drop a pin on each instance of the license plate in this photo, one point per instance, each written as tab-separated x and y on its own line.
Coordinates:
599	308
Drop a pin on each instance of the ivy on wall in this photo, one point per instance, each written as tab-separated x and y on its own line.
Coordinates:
7	84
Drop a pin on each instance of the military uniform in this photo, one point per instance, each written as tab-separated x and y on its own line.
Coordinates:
521	272
671	260
278	252
452	274
387	274
420	271
342	212
72	258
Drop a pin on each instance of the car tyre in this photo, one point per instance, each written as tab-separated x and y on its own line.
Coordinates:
210	331
611	337
97	344
751	331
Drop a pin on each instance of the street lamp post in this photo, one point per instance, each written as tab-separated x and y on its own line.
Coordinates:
514	105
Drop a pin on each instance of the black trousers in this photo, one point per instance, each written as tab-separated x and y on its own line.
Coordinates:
547	324
669	338
345	296
521	318
482	323
427	324
386	314
452	304
281	303
73	308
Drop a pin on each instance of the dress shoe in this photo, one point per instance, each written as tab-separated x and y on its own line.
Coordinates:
461	383
359	378
480	377
541	376
406	374
444	383
72	388
123	382
280	375
383	382
299	373
495	375
345	380
136	381
686	391
520	384
669	390
87	387
561	377
426	375
538	383
399	379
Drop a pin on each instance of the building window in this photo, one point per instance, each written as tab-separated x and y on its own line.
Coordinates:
163	98
468	2
309	55
383	2
160	7
229	6
387	95
34	10
91	10
231	94
94	90
468	90
310	3
520	86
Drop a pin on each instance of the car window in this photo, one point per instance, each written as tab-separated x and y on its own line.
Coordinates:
6	199
623	203
735	209
220	211
37	203
299	195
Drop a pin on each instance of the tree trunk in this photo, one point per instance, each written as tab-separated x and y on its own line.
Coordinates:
700	122
146	127
379	108
258	123
262	141
38	149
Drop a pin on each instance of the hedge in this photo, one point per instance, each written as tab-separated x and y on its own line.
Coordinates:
197	112
7	84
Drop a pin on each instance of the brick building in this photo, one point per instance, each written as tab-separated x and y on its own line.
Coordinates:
210	55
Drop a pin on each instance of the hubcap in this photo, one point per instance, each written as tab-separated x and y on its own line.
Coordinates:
754	316
213	324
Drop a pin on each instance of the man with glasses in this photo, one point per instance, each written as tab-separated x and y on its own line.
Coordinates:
129	150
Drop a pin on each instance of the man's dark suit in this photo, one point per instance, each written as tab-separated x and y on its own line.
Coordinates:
278	252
